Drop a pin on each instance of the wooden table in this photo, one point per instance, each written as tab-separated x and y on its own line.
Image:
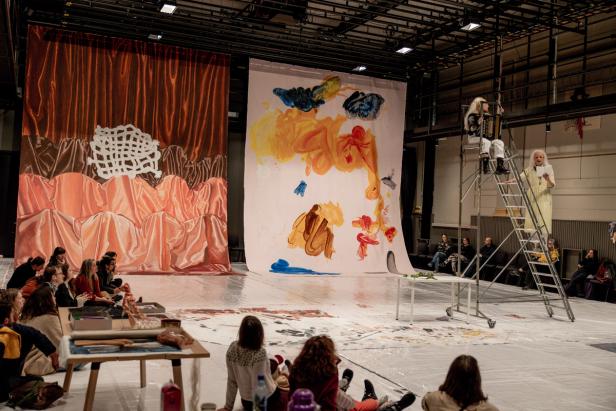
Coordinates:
438	279
196	350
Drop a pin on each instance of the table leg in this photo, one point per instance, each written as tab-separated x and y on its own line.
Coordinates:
68	376
142	374
468	303
91	386
398	300
177	377
412	300
453	298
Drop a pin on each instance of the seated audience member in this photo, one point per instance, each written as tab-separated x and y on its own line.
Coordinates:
553	250
598	286
587	266
14	298
25	271
461	389
51	276
40	312
467	252
58	257
87	283
117	282
18	340
315	368
487	249
442	251
66	294
105	275
246	360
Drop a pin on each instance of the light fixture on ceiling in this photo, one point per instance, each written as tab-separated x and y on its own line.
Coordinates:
360	68
470	26
168	6
155	36
404	50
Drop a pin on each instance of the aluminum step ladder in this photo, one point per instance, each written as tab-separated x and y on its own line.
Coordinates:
514	191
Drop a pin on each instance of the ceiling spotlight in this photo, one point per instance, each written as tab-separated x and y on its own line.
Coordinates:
168	7
155	36
404	50
470	26
360	68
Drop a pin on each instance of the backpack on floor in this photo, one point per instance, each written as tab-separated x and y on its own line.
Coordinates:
35	395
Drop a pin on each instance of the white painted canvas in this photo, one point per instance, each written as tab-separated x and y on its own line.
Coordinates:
322	175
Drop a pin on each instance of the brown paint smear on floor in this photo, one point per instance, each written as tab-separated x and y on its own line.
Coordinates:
289	314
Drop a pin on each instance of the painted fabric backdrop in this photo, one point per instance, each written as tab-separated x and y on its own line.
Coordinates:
322	175
124	148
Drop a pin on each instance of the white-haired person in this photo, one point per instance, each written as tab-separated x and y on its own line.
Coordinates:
478	130
540	177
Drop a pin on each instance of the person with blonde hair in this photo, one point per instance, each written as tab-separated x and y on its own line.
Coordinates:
87	282
478	131
540	178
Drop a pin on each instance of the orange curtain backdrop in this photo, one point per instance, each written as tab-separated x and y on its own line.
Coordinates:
77	81
175	222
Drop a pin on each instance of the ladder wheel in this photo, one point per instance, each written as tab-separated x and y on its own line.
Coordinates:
550	312
449	312
491	323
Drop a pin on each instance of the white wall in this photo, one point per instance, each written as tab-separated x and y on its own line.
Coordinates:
585	187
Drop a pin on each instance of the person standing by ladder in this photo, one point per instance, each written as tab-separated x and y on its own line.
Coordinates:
540	178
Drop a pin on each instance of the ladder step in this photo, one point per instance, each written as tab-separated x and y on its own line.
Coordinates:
538	263
515	206
511	195
502	183
555	287
529	240
539	274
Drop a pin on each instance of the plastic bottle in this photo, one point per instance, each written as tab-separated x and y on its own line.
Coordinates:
302	400
261	394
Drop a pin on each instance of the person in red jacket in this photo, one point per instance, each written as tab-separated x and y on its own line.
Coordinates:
87	283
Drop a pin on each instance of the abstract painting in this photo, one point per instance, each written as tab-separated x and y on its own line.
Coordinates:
322	175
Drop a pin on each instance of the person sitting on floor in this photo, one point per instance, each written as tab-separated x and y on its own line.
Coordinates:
467	252
105	275
442	252
315	368
14	297
66	294
117	282
586	267
17	341
246	360
40	312
25	271
87	283
52	276
58	257
461	389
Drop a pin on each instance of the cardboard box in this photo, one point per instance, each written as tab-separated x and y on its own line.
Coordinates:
89	322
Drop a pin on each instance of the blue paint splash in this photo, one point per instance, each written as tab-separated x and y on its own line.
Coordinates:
299	97
300	190
362	105
282	267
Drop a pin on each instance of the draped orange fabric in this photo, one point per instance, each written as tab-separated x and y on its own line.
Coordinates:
174	219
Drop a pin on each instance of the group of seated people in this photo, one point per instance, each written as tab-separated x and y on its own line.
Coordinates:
31	332
316	369
590	275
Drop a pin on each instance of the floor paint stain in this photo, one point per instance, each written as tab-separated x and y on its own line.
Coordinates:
286	314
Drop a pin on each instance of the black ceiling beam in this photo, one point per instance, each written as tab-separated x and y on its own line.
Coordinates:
593	106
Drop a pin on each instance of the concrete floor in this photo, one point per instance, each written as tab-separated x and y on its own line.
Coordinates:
528	361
